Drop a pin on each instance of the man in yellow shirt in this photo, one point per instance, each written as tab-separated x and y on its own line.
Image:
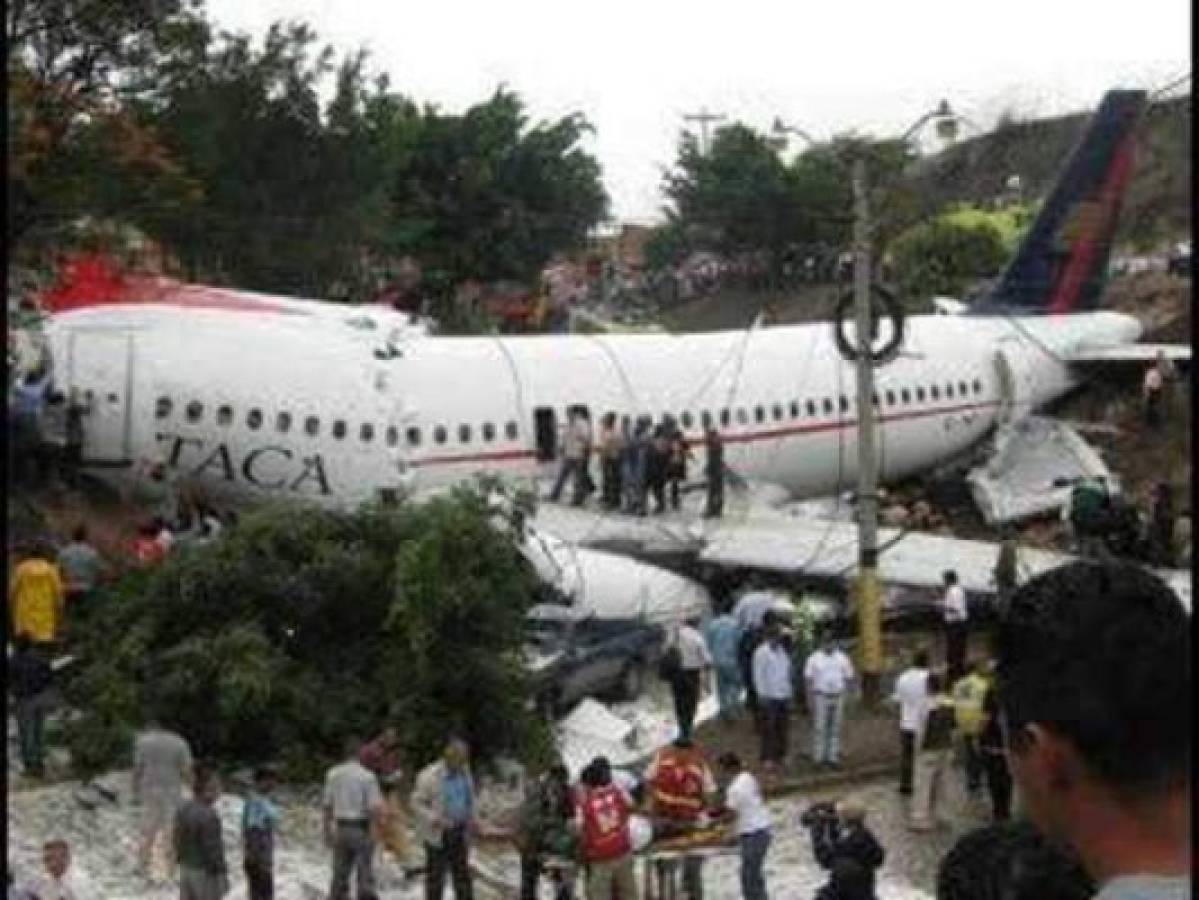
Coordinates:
968	695
36	596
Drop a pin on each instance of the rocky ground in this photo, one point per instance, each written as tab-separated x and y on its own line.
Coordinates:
103	839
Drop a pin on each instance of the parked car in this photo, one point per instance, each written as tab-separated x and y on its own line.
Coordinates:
571	656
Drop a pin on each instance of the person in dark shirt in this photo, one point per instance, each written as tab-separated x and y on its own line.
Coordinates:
544	830
259	824
30	679
843	844
203	874
994	759
714	471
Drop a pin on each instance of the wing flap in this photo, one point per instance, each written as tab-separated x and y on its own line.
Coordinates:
1131	353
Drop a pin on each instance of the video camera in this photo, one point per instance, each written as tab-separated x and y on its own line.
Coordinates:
820	815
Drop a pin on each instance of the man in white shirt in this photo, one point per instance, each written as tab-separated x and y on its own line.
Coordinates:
751	821
772	681
954	615
162	762
911	693
353	808
827	674
694	661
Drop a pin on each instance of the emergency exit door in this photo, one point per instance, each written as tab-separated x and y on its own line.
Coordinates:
100	369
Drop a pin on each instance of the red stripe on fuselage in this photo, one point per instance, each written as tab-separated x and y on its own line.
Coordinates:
774	433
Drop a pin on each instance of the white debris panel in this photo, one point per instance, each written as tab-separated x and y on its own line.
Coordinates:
1031	457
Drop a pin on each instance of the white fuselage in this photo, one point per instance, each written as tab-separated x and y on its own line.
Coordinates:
337	405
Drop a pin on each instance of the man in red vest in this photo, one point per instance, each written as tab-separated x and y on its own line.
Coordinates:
602	819
681	789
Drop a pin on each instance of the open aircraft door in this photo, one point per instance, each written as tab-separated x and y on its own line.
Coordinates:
1017	391
100	367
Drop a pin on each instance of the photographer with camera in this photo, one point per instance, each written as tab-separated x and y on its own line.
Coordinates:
843	844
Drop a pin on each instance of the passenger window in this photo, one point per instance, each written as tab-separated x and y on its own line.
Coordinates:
874	398
778	412
312	426
759	414
919	395
439	434
794	409
844	403
978	386
962	391
686	419
828	406
510	431
413	436
742	416
162	408
339	429
890	398
949	391
705	418
224	415
283	422
366	433
934	392
488	432
724	418
254	419
811	407
195	410
393	436
464	434
905	395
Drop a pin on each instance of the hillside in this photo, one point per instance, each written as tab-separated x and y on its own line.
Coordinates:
1157	205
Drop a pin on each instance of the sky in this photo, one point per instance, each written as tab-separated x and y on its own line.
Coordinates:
634	69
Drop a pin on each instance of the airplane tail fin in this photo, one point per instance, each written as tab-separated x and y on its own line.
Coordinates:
1061	265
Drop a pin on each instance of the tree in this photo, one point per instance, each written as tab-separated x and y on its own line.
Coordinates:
72	145
942	255
300	625
737	197
484	196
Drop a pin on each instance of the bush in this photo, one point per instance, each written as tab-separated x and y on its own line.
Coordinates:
301	625
941	256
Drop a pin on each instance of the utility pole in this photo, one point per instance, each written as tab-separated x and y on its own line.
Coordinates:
704	118
867	587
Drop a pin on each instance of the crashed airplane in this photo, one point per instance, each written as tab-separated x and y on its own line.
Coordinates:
258	396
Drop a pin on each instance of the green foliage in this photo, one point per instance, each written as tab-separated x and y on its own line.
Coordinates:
737	196
302	625
224	150
941	256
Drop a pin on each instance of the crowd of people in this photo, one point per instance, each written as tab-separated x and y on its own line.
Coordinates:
1083	713
639	462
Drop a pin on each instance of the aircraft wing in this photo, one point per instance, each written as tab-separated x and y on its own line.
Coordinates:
809	545
916	559
1131	353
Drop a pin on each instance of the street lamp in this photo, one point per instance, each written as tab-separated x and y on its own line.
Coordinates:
866	584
